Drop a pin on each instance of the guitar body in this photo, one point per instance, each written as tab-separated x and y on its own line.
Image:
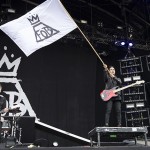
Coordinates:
108	94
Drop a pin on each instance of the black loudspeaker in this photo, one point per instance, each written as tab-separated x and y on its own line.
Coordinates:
27	126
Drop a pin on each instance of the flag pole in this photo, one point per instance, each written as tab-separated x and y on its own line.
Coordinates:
91	45
84	36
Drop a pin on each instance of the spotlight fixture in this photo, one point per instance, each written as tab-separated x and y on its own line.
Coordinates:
123	43
116	42
130	44
11	10
83	21
100	24
119	27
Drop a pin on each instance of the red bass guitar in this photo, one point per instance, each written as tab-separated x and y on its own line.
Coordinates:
108	94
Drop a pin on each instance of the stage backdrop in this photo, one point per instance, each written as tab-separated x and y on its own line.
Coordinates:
55	84
59	84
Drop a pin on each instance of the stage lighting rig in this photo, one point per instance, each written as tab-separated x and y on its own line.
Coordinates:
7	8
124	43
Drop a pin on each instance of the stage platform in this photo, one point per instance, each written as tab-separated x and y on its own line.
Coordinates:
117	133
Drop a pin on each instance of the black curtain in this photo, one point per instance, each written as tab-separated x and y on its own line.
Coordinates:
59	81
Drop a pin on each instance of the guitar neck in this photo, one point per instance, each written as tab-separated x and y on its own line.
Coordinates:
120	89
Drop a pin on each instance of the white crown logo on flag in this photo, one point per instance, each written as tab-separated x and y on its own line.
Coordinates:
34	19
41	30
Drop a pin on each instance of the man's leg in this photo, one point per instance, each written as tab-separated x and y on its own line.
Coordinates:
108	111
118	112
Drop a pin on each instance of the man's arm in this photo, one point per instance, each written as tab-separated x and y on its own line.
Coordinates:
118	80
4	109
108	72
106	75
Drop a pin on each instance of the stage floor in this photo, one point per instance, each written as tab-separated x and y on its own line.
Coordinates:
126	145
85	148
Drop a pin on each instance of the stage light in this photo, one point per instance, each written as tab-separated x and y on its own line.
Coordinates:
123	43
120	43
100	24
119	27
130	44
116	42
55	143
11	10
84	21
